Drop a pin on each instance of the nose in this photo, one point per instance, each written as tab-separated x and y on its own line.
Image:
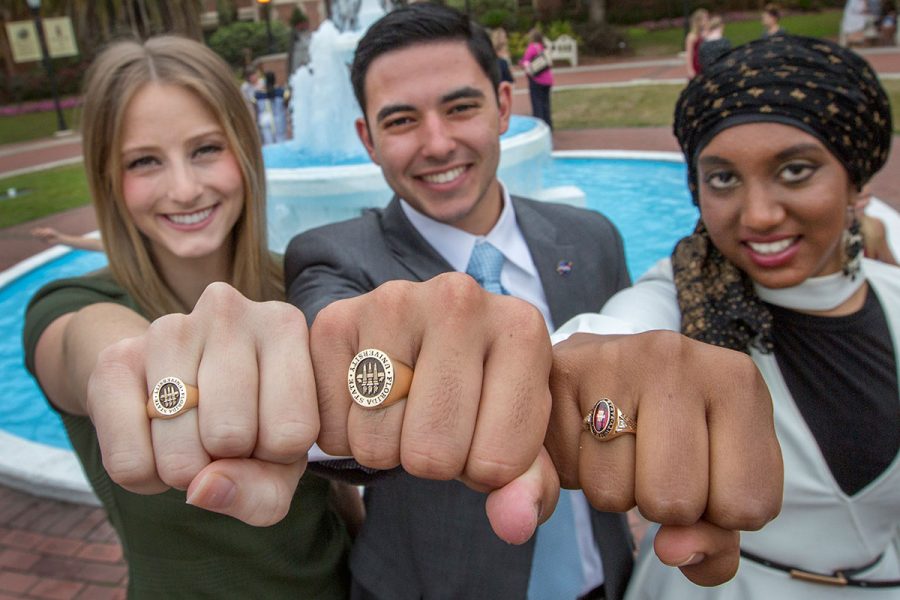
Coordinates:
437	139
762	209
184	186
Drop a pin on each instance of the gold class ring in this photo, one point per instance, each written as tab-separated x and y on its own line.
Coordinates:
606	421
376	380
171	397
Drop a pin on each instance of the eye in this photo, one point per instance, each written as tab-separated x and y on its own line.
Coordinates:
208	150
462	108
721	180
396	122
141	162
797	172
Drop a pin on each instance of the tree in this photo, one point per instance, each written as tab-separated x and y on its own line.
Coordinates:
597	12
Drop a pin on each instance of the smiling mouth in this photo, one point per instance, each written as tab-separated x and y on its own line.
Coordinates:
191	218
444	177
769	248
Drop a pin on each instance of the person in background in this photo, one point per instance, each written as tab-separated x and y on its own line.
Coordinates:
539	83
771	20
501	46
251	84
715	44
774	269
176	176
873	231
51	236
271	111
853	23
692	41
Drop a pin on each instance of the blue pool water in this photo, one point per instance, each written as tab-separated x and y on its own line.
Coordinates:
646	200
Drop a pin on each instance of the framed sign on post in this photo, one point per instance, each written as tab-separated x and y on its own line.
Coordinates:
26	46
23	41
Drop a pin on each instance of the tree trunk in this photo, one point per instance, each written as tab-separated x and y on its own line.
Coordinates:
597	12
547	10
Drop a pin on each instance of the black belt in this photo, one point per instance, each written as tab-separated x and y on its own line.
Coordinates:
838	578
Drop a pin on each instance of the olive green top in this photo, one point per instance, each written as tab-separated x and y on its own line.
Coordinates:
175	550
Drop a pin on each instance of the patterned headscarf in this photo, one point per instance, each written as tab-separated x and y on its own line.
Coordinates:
812	84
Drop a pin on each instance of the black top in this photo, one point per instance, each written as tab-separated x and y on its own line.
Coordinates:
505	72
842	373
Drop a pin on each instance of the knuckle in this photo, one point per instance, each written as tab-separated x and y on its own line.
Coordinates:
286	319
491	472
750	514
129	469
229	440
173	330
671	509
609	500
287	440
177	470
432	463
456	295
374	450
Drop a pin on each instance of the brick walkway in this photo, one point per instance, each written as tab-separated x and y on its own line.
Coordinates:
57	550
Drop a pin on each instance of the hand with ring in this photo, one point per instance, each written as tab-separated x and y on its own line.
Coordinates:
220	402
681	429
476	406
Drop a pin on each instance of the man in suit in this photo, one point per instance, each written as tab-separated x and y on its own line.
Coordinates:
434	111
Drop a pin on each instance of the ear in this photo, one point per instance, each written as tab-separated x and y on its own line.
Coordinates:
504	101
365	136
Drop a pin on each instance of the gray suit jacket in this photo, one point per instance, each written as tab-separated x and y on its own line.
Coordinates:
432	539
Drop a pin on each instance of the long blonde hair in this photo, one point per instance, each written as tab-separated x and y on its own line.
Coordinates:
113	79
698	17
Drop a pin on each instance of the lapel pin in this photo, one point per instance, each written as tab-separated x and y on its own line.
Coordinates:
564	267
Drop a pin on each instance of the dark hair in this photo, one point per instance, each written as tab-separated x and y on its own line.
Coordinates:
421	23
773	9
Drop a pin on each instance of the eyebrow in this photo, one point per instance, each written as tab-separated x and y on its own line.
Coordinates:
463	92
718	161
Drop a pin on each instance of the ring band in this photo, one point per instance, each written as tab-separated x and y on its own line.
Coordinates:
376	381
171	397
606	421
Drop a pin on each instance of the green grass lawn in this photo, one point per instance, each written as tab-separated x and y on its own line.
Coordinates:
643	106
825	24
34	126
43	193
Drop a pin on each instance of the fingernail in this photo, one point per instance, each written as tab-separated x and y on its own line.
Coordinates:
213	492
693	559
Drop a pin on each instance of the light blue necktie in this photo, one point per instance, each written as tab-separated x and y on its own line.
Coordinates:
485	265
556	569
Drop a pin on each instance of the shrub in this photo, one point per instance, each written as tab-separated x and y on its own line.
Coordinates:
601	40
498	17
229	41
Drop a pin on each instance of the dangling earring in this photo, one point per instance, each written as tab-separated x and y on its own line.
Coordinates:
853	245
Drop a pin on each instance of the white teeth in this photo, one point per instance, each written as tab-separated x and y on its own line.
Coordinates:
445	177
190	219
771	247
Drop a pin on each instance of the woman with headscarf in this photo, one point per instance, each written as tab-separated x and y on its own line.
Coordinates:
779	136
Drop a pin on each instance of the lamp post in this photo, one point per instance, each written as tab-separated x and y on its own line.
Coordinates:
35	6
687	16
267	8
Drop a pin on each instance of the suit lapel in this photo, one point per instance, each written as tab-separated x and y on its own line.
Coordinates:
409	247
551	255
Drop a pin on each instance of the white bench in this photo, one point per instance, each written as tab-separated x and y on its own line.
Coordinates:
563	48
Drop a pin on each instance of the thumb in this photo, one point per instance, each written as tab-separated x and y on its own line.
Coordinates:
256	492
706	554
516	509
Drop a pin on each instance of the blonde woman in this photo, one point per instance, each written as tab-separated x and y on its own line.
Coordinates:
175	171
699	20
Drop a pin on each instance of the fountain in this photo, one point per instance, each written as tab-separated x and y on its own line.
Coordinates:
324	174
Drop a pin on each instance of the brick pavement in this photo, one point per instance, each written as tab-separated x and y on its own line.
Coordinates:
57	550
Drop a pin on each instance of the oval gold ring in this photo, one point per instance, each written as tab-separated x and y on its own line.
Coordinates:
606	421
